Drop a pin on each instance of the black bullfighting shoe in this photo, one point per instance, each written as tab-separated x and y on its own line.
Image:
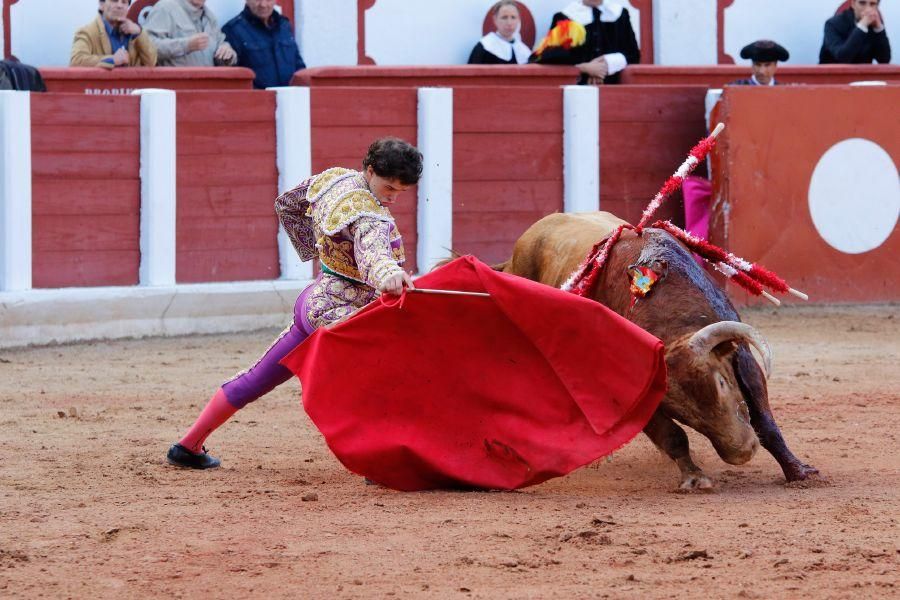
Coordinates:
182	457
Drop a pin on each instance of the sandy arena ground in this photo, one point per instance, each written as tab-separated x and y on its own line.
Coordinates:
88	508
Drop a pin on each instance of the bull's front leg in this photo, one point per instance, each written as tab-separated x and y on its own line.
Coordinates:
753	386
671	439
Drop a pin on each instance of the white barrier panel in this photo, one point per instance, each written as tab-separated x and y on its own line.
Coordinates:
435	207
293	131
15	190
581	148
158	185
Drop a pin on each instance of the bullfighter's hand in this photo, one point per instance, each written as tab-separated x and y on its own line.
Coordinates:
595	81
199	41
395	283
129	27
120	58
225	52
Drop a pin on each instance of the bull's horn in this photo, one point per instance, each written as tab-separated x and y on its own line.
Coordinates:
703	341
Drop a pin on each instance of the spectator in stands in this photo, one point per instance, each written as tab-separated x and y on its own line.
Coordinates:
264	41
856	36
593	35
187	34
765	55
15	75
504	45
112	40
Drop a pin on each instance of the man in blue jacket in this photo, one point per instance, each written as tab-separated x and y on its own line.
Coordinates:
264	42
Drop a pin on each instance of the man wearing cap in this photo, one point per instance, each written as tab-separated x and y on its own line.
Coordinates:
856	36
765	55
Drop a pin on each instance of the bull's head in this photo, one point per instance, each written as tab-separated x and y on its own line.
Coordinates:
704	391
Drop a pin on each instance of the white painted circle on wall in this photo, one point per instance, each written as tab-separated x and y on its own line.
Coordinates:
854	196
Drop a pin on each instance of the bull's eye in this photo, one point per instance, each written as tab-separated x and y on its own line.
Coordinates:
723	385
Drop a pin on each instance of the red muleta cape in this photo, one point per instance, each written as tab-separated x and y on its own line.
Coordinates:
435	391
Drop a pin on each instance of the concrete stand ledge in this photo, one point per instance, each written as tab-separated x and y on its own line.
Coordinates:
41	317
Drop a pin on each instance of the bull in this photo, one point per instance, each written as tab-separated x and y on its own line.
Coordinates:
716	387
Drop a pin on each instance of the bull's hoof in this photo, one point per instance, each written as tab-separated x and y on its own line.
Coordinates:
799	472
696	482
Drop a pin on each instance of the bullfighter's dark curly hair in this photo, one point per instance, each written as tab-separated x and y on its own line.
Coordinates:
392	158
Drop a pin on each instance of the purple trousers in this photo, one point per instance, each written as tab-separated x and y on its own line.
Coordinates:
267	374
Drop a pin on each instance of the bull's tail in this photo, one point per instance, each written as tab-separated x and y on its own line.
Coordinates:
502	266
454	255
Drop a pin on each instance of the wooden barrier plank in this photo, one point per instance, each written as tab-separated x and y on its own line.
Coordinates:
495	226
84	232
654	147
85	138
203	266
670	104
517	156
206	138
86	197
492	196
232	169
349	144
231	234
84	165
508	110
79	110
372	107
225	107
62	268
207	201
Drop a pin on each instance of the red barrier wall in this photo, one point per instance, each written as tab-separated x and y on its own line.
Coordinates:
507	166
345	121
227	182
444	76
645	134
773	141
85	80
719	75
86	190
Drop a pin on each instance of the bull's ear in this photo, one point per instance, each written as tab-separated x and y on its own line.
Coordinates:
725	349
661	267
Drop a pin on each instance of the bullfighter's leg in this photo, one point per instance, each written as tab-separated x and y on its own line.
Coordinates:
671	439
753	385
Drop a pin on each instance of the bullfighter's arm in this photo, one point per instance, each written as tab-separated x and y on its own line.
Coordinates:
371	243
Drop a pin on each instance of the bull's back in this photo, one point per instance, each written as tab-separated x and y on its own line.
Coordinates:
551	249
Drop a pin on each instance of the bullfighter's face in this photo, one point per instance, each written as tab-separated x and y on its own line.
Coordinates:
385	190
764	71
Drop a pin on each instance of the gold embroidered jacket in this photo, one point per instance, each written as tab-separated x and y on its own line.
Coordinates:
334	216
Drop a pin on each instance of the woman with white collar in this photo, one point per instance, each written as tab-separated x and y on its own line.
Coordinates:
593	35
503	46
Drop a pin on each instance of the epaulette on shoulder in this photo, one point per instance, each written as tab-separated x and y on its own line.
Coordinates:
326	180
350	207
